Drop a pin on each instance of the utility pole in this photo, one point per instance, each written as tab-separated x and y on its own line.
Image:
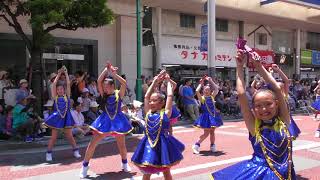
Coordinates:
211	37
139	80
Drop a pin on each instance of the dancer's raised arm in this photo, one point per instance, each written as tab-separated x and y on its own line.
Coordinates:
243	100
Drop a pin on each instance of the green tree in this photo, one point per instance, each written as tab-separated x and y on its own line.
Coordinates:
45	16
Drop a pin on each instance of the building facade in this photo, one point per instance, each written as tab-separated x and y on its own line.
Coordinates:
172	31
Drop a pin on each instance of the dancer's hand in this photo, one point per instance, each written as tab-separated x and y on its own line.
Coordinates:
275	67
240	58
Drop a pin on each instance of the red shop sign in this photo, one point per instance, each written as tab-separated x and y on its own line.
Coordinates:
267	58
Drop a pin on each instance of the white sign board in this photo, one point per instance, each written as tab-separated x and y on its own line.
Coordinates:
63	56
186	51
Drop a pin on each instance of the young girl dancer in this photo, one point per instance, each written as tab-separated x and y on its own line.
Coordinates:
210	118
316	107
175	113
158	151
61	118
267	124
293	127
112	121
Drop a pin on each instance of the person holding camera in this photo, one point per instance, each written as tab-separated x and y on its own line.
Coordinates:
24	123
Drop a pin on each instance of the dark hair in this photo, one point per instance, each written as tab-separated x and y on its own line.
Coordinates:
75	104
263	90
186	80
123	76
109	81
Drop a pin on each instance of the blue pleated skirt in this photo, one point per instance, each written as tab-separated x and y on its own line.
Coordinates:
56	122
206	120
253	169
166	153
119	125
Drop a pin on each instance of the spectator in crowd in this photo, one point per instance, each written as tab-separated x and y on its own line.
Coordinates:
92	87
23	86
80	128
48	109
127	96
50	81
189	102
93	112
24	122
9	120
85	101
3	130
136	117
4	83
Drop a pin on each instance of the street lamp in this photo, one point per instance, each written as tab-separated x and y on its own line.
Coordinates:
139	80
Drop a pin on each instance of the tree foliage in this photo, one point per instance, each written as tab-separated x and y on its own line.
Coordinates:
48	15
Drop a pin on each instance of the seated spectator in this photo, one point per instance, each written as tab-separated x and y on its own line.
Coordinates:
24	122
135	116
93	112
9	120
48	109
92	87
80	128
84	100
23	86
3	131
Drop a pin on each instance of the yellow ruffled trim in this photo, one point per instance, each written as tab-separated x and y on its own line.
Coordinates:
211	177
198	127
115	132
66	127
146	164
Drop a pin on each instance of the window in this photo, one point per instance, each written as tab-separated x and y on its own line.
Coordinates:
262	38
187	21
222	25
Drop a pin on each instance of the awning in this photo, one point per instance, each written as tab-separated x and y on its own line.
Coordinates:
306	3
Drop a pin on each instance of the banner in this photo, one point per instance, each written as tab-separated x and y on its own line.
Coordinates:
316	57
204	38
306	57
267	58
186	51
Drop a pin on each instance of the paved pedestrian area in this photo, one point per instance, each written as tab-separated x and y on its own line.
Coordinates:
231	140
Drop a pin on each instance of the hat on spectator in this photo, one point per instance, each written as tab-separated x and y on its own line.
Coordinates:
48	104
21	95
94	104
84	90
23	81
137	104
2	73
52	75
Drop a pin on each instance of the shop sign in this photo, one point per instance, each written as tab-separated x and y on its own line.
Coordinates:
63	56
177	50
267	58
306	57
316	57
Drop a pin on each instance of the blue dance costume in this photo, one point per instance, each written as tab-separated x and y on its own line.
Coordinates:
157	150
112	120
293	127
61	117
175	114
272	156
209	117
316	104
